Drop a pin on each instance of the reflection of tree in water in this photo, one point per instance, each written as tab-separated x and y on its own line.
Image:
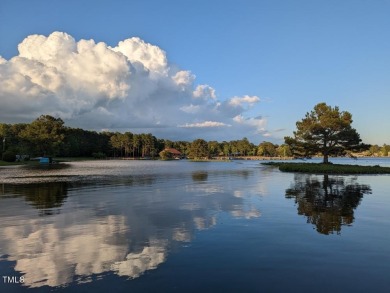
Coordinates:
200	176
328	203
203	175
43	196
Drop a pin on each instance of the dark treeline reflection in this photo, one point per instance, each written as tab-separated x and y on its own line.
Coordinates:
44	196
327	202
48	197
200	176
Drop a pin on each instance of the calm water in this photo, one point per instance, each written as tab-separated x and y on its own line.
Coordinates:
177	226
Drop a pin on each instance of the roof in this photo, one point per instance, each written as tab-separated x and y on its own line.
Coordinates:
173	151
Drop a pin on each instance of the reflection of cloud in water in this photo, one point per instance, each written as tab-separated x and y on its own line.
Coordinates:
181	234
238	193
81	242
52	255
204	188
137	263
77	244
205	223
253	213
190	206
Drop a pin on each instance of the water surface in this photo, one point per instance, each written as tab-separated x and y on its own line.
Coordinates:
178	226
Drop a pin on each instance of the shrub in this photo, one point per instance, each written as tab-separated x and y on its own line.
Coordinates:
9	156
164	155
99	155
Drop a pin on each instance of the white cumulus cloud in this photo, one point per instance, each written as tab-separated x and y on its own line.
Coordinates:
204	124
205	91
131	86
239	101
258	123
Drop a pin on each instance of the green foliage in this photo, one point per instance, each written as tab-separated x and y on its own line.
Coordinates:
325	130
168	143
182	146
48	136
214	148
9	156
165	155
137	145
99	155
374	150
266	149
199	150
385	150
283	151
12	140
44	135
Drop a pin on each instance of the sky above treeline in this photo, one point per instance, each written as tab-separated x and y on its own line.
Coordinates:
181	70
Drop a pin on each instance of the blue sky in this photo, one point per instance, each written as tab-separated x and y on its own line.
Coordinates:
290	55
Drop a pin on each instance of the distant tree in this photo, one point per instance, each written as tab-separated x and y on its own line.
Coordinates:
117	143
4	130
165	155
44	135
374	150
244	146
199	149
8	156
136	144
283	151
234	147
385	150
327	131
148	145
266	149
182	146
127	140
168	143
80	142
214	148
226	148
10	139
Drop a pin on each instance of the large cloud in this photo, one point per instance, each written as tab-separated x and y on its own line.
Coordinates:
131	87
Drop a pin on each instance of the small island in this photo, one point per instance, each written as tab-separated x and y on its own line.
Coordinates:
320	168
326	132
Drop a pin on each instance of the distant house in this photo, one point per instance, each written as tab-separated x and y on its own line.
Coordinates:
173	153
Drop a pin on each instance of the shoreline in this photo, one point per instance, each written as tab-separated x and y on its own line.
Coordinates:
329	169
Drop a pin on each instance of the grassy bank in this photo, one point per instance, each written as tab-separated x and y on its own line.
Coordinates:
329	168
3	163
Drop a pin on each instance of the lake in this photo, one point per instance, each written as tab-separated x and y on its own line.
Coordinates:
180	226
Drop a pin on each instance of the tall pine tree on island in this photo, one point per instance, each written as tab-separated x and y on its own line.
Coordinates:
327	131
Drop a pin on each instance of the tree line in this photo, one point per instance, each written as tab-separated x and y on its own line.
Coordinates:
325	131
48	136
377	151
